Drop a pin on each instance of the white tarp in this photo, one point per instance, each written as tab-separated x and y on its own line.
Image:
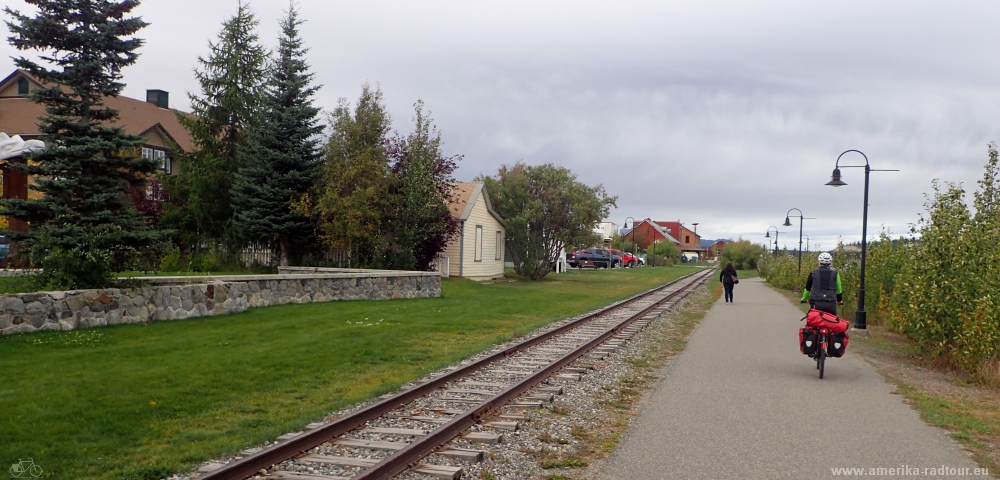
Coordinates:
16	147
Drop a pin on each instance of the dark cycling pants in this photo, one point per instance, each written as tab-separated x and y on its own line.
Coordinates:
830	307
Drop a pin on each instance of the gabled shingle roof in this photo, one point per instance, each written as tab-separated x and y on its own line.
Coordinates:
659	228
19	115
462	201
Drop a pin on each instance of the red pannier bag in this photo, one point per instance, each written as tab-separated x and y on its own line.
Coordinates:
836	345
808	340
818	318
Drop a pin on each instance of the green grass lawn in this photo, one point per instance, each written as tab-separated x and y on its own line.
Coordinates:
745	274
135	401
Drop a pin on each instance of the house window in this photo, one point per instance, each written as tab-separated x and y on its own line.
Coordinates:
22	86
162	161
479	243
499	245
687	238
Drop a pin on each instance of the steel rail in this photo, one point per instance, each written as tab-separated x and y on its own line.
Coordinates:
252	464
421	447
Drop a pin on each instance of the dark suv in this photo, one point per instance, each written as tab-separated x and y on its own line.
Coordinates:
597	258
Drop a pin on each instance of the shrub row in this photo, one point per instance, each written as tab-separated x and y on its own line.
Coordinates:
941	288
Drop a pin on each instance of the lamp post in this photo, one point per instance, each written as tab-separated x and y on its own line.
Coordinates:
860	316
788	223
654	250
697	237
633	233
807	242
768	235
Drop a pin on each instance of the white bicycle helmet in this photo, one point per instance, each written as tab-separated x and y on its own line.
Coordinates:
825	259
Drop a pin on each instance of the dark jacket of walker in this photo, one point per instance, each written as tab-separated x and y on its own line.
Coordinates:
728	275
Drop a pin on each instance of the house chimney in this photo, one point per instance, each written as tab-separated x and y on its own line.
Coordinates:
158	98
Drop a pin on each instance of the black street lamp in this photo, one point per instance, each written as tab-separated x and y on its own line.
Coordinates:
654	250
768	235
697	237
633	232
861	316
788	223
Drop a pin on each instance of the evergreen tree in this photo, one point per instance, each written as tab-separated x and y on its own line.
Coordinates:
350	201
282	159
231	81
422	185
83	228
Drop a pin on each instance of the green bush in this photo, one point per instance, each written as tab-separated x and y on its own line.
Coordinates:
781	270
946	297
86	265
743	254
172	261
666	254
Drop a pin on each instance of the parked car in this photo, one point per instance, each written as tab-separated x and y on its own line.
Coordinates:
628	259
597	258
4	247
571	258
642	261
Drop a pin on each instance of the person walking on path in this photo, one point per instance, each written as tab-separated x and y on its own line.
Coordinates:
823	288
728	278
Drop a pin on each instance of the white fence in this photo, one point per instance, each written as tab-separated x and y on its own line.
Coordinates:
259	254
337	257
442	264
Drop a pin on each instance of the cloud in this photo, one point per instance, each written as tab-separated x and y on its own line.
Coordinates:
722	113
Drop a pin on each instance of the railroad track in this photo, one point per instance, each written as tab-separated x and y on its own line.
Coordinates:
432	428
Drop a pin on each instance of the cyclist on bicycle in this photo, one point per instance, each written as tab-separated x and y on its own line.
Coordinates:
823	289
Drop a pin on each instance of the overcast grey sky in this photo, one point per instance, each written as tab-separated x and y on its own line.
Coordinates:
722	113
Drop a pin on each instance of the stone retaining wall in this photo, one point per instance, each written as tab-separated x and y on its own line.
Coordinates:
169	298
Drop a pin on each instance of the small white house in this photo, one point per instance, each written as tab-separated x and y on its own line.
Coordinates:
477	251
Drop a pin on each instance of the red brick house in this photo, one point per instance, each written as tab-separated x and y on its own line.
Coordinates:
715	250
688	240
645	231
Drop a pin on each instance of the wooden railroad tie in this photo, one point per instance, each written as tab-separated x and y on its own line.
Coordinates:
436	471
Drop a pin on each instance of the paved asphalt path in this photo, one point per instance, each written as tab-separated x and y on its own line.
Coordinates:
741	402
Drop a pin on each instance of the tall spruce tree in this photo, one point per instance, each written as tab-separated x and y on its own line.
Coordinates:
231	78
282	159
83	228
